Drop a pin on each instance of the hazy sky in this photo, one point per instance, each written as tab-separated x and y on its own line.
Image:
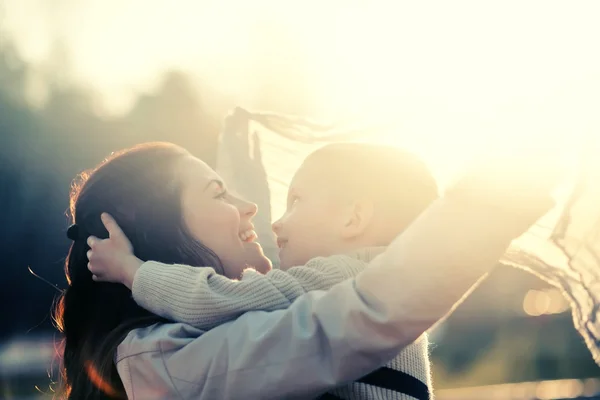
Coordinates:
448	75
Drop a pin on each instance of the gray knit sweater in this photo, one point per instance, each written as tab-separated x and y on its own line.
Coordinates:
202	298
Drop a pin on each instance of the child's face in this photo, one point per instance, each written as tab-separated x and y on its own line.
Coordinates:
313	221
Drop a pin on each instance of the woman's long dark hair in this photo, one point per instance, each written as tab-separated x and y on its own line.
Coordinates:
141	189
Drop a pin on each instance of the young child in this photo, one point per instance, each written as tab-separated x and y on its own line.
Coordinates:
343	208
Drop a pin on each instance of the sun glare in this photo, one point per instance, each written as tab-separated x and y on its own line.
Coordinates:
447	80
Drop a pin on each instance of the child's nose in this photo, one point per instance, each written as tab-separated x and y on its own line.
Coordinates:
276	226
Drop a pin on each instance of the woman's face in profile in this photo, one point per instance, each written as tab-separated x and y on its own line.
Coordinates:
220	220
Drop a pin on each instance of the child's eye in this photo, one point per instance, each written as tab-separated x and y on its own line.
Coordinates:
293	201
222	195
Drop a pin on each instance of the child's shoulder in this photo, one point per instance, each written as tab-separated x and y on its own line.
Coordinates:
357	258
366	254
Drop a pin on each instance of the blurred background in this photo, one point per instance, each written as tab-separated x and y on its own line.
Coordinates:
82	78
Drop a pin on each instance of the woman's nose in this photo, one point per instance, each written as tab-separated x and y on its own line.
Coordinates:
248	209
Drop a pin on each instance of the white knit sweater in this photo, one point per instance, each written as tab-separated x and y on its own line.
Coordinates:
204	299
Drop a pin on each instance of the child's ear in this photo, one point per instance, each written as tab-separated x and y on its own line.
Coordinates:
359	217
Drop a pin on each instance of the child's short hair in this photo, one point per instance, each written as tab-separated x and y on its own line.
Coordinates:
397	181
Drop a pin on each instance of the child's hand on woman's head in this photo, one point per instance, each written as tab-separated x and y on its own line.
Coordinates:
112	259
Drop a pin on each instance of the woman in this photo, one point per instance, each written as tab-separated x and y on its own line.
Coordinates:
175	209
143	189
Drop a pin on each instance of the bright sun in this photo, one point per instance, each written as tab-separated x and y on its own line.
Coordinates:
445	78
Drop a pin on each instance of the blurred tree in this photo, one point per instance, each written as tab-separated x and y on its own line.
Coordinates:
43	149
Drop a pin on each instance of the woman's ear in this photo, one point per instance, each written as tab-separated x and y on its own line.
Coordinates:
358	218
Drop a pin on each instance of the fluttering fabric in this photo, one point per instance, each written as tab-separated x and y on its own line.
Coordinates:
259	153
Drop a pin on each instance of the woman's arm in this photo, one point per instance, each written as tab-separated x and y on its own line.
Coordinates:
200	297
325	339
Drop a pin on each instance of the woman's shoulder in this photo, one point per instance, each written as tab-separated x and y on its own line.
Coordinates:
154	338
140	359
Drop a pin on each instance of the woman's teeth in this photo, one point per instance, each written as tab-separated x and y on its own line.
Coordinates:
248	236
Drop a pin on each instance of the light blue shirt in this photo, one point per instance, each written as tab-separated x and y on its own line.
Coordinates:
325	339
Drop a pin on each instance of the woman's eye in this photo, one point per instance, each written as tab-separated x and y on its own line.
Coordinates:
221	195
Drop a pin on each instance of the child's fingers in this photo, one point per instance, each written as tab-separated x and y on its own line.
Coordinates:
92	241
114	230
96	275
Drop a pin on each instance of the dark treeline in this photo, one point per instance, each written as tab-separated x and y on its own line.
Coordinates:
43	148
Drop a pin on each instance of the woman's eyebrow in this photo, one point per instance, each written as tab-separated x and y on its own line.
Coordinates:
217	181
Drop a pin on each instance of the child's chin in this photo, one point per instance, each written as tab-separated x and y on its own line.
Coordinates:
285	261
288	259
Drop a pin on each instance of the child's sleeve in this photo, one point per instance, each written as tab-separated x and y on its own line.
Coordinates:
200	297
